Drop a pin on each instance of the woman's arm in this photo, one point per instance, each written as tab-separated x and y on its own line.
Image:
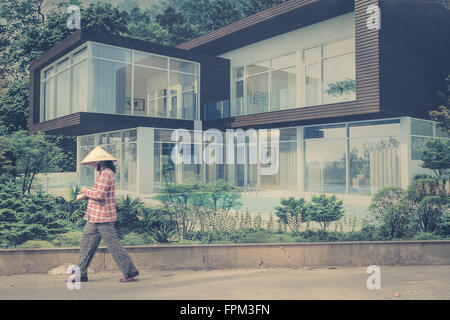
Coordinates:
103	184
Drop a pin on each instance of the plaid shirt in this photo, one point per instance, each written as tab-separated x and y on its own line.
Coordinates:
101	206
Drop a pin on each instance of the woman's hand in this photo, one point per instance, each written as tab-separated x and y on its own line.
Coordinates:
81	196
83	190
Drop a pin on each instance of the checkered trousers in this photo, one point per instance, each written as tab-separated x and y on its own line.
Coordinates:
101	205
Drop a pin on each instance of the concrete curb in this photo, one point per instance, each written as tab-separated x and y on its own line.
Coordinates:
219	256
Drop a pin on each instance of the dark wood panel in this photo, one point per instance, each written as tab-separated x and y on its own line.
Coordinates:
83	123
414	51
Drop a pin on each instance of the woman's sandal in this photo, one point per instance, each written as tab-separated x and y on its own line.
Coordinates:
131	278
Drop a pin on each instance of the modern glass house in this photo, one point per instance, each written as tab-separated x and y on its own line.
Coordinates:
347	103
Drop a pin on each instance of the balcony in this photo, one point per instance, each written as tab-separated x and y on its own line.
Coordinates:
314	76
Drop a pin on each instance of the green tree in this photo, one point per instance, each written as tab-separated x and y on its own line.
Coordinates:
325	210
222	195
396	220
178	29
430	200
292	208
391	211
384	199
436	156
443	101
254	6
31	154
26	217
14	107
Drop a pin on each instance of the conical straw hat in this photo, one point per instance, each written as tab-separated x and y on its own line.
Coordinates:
97	154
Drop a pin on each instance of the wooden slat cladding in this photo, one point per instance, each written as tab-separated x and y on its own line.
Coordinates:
367	84
414	56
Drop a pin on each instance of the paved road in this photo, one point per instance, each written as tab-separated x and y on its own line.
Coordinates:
410	282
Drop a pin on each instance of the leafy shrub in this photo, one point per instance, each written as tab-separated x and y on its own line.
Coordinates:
396	222
128	212
36	244
325	210
392	212
69	239
444	224
430	200
422	176
292	212
158	223
261	237
384	199
23	217
371	232
135	239
426	236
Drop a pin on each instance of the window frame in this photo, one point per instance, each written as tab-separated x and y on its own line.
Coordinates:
301	64
90	57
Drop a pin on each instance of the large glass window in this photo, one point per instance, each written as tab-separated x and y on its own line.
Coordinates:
358	158
79	87
330	73
325	159
319	75
421	131
64	86
107	79
258	93
312	84
286	177
374	156
110	87
150	91
120	144
87	173
183	92
338	79
283	80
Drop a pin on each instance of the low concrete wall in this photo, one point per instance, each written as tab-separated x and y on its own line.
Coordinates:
170	257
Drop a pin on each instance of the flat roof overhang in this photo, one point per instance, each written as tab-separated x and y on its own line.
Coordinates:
83	123
277	20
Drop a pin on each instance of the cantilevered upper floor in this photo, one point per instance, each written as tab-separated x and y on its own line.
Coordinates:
93	81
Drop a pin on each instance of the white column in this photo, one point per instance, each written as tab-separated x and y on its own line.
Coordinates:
145	159
78	161
405	151
300	162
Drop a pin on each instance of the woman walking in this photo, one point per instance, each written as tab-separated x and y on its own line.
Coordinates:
101	215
